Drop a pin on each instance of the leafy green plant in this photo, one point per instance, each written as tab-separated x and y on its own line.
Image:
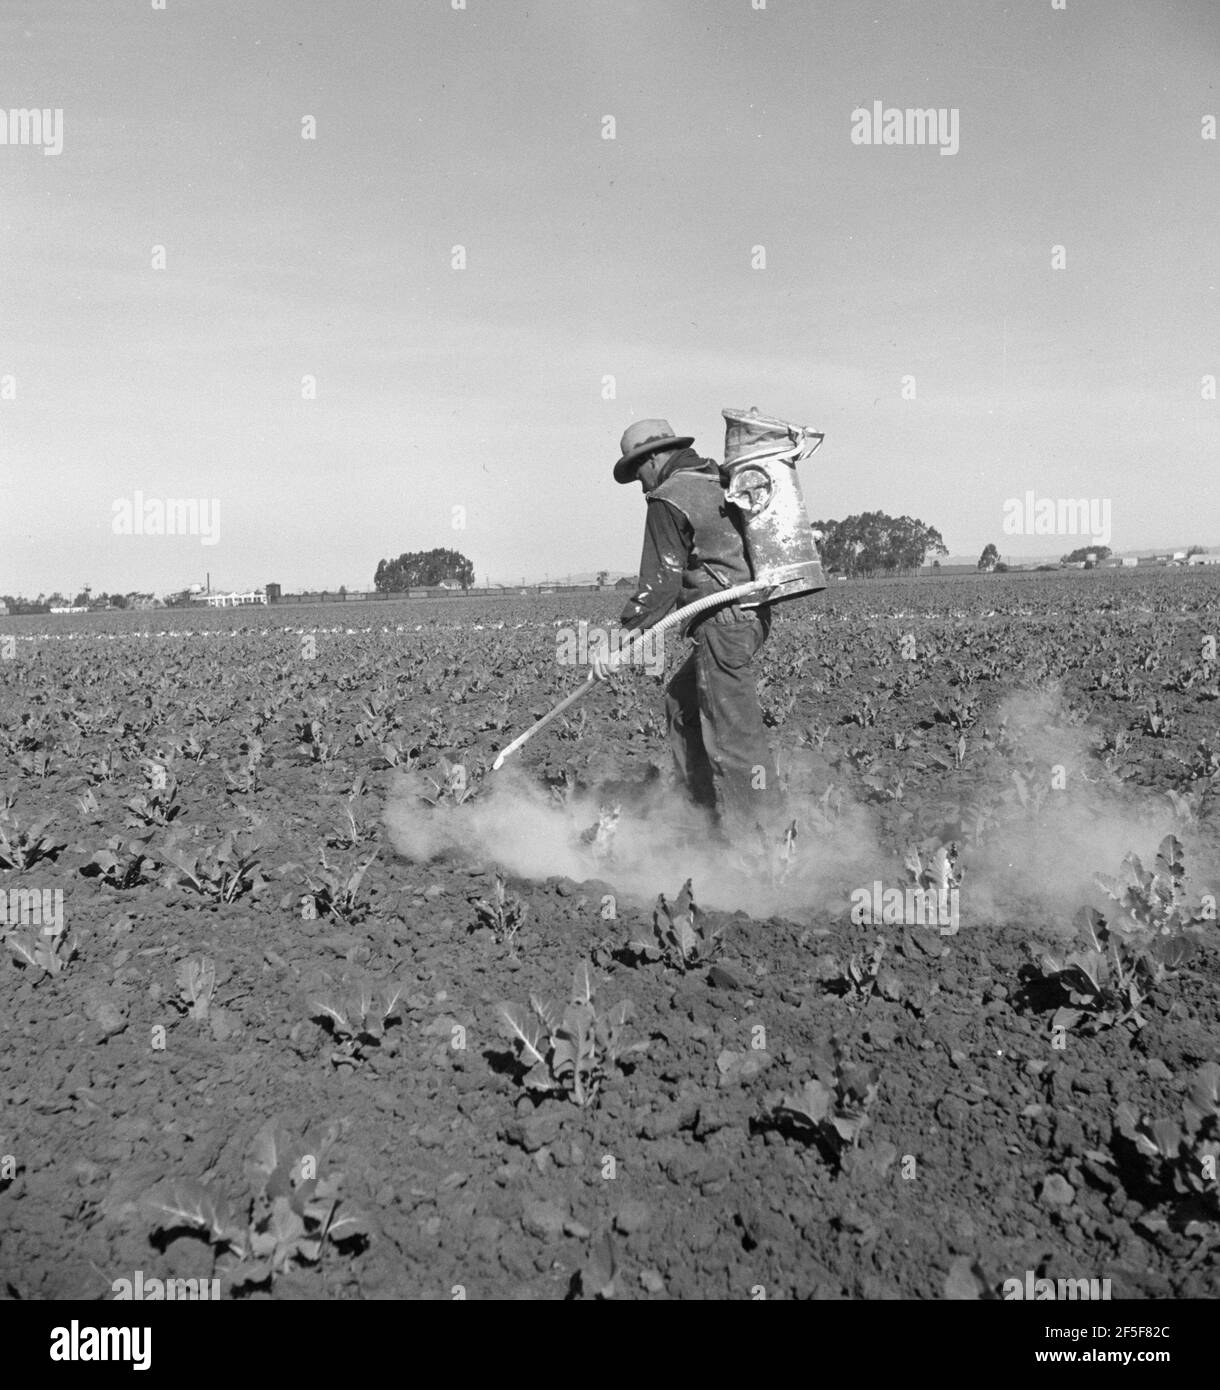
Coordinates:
503	915
376	719
783	858
1030	790
680	937
937	872
1154	899
1181	1157
599	837
36	763
333	891
1204	766
102	767
777	711
959	715
453	788
290	1218
225	871
123	863
861	757
1188	805
196	982
21	847
858	983
865	714
832	1106
574	727
1157	723
243	777
884	789
356	1014
158	804
1116	965
313	742
188	746
1102	982
351	829
570	1054
48	949
810	736
398	753
563	786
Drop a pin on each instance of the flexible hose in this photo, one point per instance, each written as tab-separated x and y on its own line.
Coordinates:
684	615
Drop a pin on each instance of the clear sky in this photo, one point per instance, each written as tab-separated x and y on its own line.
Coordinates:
483	388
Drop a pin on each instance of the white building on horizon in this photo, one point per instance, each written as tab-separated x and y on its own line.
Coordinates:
233	600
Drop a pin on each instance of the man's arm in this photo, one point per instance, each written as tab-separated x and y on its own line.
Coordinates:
665	553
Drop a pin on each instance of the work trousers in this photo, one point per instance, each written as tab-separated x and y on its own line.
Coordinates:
716	730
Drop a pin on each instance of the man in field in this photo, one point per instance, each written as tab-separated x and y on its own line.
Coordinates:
692	547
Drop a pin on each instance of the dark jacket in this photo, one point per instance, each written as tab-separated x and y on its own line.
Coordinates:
692	542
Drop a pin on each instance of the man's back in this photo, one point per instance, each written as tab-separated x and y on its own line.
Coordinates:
716	557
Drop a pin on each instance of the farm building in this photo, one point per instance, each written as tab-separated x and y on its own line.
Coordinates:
1205	559
233	600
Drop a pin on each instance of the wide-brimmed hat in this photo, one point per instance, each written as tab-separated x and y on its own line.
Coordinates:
643	438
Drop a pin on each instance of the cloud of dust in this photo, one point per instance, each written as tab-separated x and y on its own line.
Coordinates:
1040	860
1035	863
660	841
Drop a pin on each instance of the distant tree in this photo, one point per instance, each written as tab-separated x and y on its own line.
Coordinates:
1099	552
16	603
423	569
874	543
118	600
989	558
1196	550
602	576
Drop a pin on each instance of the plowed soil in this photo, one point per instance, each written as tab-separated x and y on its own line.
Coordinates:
991	1147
